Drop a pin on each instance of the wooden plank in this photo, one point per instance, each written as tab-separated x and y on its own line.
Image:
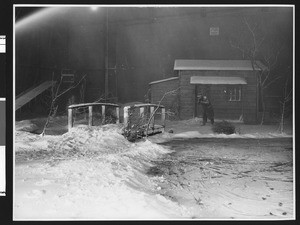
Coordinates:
28	96
92	104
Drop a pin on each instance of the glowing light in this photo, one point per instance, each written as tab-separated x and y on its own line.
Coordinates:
94	8
39	17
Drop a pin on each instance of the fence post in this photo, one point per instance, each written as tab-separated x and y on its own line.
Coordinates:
142	111
163	118
126	116
103	114
151	114
70	118
118	114
90	116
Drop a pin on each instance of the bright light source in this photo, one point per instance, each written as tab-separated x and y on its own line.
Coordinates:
94	8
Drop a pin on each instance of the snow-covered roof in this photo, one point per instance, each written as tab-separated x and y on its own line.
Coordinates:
159	81
184	64
217	80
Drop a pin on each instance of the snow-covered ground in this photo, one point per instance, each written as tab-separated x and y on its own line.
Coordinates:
192	129
87	174
95	173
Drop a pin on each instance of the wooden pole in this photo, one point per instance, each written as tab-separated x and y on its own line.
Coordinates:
126	116
90	116
151	113
118	115
103	114
70	119
163	118
142	111
106	56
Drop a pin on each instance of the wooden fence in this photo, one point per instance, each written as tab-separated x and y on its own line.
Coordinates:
90	115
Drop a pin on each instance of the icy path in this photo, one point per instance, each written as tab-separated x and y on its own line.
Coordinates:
230	178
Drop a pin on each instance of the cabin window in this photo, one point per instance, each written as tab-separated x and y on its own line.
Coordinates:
234	93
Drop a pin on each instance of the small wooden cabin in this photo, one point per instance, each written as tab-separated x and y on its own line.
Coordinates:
231	86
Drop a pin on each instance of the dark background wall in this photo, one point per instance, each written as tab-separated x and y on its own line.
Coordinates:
142	44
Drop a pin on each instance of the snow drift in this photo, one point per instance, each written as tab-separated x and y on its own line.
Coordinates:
88	173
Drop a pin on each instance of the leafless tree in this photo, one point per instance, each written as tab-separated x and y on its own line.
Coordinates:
255	45
172	92
139	125
55	94
287	97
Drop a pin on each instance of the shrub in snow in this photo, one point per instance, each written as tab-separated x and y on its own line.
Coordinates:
110	116
223	127
135	129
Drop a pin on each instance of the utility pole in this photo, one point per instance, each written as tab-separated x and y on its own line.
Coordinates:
106	56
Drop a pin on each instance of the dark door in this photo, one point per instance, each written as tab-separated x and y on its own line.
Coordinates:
201	89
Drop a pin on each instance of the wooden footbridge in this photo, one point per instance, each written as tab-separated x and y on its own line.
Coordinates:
153	127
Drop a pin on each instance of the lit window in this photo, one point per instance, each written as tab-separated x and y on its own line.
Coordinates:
234	93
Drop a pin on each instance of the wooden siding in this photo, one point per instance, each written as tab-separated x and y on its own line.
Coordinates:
159	89
186	96
223	108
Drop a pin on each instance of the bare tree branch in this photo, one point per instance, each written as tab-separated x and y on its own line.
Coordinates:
159	104
272	81
55	96
254	50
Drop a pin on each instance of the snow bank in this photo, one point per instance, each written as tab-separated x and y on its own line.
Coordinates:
92	173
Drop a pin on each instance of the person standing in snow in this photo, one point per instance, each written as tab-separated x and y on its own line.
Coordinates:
208	110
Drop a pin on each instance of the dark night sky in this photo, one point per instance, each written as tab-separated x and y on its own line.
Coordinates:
143	42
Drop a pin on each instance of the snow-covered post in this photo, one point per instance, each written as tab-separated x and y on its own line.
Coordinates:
118	115
70	118
126	115
103	114
90	116
142	111
151	114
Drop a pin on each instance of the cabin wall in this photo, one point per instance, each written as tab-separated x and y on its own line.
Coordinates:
223	108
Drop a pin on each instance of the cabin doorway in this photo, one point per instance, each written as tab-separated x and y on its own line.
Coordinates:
201	89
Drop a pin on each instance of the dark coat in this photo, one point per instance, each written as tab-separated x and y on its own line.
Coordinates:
207	107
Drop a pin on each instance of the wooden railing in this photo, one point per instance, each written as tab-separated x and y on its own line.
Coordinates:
153	110
90	115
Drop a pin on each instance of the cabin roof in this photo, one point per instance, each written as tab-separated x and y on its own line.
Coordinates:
193	64
160	81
